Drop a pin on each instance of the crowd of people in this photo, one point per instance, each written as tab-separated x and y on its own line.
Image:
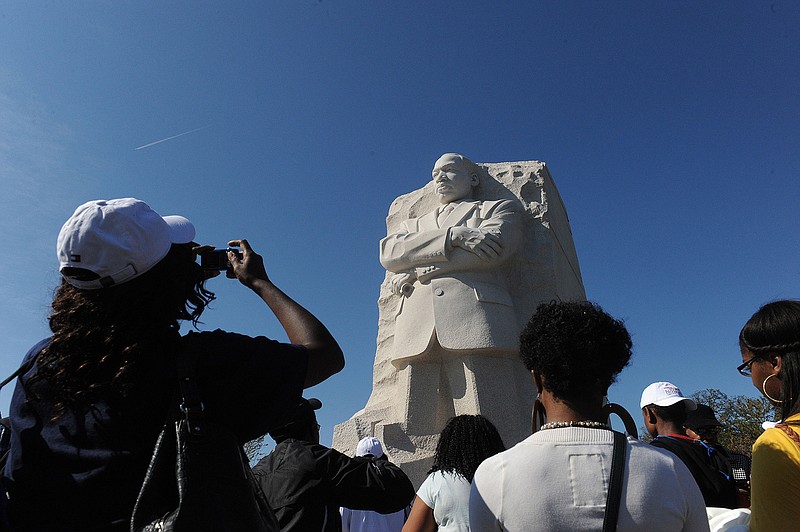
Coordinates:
91	400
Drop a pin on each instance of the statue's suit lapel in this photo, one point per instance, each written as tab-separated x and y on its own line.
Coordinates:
459	214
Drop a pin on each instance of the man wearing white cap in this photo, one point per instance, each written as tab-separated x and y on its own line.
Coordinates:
664	409
92	399
367	520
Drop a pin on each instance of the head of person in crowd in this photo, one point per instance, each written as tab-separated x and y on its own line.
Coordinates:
303	424
664	408
465	442
370	447
575	352
454	177
129	276
770	346
702	424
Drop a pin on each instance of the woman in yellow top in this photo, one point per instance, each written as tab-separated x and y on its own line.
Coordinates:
770	345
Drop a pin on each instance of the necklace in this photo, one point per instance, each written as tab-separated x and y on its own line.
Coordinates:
585	424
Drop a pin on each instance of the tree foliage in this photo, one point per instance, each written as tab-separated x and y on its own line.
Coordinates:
256	449
741	417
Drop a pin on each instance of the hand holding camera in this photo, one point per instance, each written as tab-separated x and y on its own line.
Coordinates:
245	265
214	261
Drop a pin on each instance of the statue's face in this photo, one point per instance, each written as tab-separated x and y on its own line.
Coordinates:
451	180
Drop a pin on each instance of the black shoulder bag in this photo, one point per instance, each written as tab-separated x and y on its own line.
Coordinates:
5	442
614	498
199	478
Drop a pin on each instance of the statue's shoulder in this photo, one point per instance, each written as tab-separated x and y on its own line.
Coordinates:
488	207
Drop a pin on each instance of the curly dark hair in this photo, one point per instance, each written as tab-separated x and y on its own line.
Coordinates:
576	347
775	330
464	443
99	335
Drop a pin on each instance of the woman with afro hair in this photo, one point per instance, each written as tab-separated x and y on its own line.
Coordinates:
558	478
442	500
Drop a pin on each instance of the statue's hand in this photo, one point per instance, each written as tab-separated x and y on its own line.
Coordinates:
484	244
402	283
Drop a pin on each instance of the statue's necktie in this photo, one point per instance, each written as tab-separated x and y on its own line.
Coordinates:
445	212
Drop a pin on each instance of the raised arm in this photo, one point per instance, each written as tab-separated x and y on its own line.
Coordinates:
325	357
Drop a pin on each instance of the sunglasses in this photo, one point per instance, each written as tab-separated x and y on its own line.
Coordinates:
745	369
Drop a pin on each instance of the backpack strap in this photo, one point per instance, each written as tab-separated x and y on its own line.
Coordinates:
5	423
717	460
24	367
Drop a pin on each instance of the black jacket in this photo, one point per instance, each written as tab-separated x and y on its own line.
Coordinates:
306	483
708	466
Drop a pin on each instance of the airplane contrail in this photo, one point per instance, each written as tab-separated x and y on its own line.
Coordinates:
170	138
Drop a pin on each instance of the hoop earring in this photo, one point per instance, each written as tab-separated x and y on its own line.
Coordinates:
539	414
764	390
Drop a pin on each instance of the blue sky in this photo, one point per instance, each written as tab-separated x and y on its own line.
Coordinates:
671	130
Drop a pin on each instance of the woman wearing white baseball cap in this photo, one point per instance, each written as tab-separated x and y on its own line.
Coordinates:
93	397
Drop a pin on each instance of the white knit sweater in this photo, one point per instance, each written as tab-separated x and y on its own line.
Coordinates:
557	480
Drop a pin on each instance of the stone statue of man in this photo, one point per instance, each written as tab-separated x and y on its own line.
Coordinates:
456	332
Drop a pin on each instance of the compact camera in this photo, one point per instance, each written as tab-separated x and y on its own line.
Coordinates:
217	259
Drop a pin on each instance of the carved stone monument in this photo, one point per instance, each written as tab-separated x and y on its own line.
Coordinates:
468	258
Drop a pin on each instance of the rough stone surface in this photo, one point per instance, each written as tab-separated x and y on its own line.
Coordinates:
544	268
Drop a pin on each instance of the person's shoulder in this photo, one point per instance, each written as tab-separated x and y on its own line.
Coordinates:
775	452
495	461
291	450
453	478
264	461
214	337
218	340
655	452
37	348
434	478
774	438
265	464
321	450
316	452
431	485
491	469
659	465
675	444
302	445
27	364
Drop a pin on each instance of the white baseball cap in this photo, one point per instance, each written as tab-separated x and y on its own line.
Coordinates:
369	445
117	240
664	394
